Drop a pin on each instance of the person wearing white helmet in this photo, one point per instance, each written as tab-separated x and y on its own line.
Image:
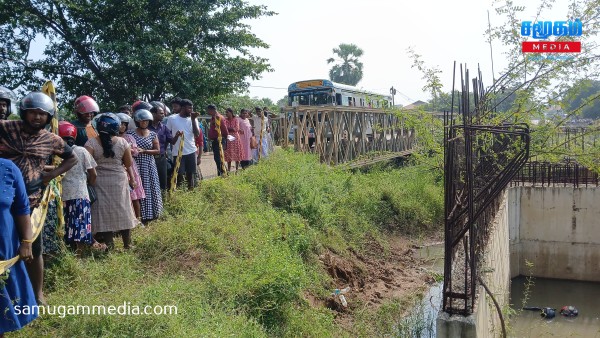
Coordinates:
7	102
148	147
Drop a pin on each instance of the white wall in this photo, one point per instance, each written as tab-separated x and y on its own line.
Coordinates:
557	229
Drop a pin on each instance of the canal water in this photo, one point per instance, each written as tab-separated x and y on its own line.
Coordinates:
542	292
421	322
554	293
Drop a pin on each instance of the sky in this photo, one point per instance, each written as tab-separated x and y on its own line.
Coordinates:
303	33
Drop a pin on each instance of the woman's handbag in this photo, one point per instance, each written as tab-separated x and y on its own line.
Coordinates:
253	143
92	193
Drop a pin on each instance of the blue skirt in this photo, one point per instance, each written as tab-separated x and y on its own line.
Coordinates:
78	221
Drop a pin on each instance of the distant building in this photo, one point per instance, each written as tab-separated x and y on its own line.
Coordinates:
415	105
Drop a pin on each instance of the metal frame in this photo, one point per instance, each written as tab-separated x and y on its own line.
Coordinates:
343	134
480	161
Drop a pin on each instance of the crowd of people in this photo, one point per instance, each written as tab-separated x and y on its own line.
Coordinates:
115	170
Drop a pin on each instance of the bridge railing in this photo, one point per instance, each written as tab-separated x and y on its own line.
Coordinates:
341	134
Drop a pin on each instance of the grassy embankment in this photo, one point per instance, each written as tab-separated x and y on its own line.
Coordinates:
237	256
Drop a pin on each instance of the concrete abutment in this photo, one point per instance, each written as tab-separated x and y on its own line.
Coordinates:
555	229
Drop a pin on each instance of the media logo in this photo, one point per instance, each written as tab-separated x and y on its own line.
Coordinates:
544	29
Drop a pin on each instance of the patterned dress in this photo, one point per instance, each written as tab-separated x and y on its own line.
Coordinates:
50	240
152	205
233	151
138	193
78	210
112	211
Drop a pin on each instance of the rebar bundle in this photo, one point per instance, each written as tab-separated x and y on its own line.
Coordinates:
481	158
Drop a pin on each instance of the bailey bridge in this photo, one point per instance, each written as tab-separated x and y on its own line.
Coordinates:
342	134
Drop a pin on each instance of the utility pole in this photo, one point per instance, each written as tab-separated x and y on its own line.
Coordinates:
393	92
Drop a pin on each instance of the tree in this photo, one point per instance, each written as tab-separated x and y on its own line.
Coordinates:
529	86
348	69
121	50
543	82
584	95
433	84
237	102
282	102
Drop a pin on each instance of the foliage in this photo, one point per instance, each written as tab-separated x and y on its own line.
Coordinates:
237	102
283	102
237	256
538	84
528	87
118	51
347	68
585	93
430	75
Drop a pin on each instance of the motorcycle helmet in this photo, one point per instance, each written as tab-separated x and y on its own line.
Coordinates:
10	98
108	123
142	115
141	105
66	129
85	104
37	100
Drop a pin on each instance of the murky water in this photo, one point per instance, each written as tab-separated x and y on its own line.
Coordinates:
421	323
585	296
554	293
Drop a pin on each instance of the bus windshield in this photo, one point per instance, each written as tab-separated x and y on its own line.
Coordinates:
311	98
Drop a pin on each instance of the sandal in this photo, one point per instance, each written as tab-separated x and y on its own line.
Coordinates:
100	247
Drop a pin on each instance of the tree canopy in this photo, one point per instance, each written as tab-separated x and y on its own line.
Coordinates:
121	50
530	86
348	69
237	102
584	96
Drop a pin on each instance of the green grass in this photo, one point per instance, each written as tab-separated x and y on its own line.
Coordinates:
237	256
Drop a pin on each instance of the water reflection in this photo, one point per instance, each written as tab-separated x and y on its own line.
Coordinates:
554	293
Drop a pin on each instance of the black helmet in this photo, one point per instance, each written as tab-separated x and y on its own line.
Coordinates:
37	100
10	98
108	123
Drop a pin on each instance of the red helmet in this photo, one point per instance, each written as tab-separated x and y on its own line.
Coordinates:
85	104
137	105
66	129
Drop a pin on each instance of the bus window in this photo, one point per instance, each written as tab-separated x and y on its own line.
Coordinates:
338	99
304	100
320	99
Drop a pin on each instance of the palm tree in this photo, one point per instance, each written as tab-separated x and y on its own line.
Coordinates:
348	69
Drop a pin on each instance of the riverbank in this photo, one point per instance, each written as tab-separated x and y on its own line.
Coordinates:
259	253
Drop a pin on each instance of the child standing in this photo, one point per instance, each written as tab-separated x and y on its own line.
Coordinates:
77	206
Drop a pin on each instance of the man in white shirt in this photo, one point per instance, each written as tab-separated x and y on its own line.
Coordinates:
186	122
